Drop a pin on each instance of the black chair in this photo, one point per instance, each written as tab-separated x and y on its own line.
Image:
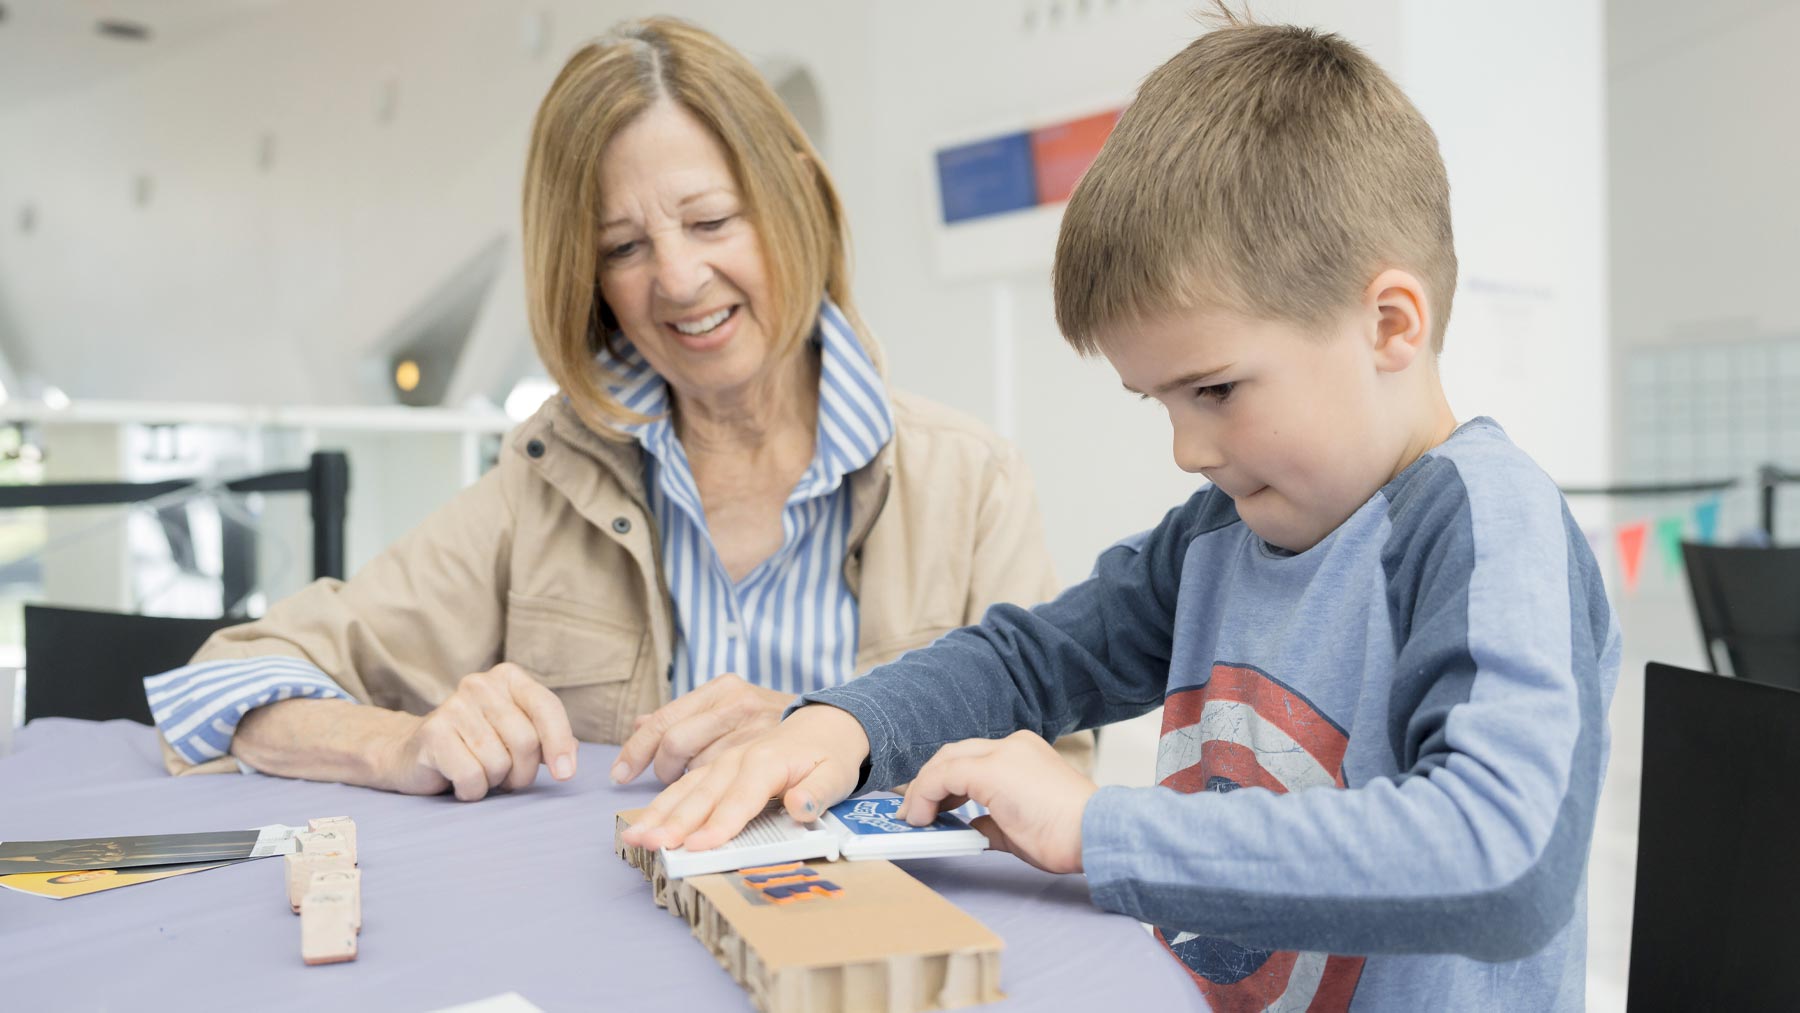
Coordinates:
83	663
88	664
1718	834
1748	603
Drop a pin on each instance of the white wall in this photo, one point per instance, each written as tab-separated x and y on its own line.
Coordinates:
239	283
1705	216
1522	137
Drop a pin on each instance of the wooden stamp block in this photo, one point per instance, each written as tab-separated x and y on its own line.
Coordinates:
344	826
328	925
324	841
300	868
333	880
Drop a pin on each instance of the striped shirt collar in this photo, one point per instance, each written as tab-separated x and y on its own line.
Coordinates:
855	418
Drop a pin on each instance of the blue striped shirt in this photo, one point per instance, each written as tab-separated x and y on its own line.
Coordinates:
791	624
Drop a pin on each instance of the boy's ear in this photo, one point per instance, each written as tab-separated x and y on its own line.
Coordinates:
1395	301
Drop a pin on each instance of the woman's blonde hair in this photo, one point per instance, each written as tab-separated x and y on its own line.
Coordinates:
787	195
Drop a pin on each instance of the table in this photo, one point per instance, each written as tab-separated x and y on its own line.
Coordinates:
461	901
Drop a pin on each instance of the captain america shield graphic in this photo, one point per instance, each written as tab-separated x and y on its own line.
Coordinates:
1244	729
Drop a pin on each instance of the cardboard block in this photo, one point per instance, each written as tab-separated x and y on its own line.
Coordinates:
858	935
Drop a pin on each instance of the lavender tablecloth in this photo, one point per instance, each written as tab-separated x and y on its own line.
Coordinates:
461	901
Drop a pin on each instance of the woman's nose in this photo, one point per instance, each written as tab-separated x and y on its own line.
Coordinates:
681	273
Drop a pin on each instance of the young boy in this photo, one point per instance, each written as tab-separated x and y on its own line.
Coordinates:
1382	646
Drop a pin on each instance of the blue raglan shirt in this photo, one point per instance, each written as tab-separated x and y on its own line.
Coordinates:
1380	758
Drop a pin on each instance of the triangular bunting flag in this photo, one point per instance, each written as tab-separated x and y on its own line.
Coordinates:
1668	535
1706	520
1631	550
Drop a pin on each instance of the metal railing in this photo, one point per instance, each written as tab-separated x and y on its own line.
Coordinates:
325	481
1768	479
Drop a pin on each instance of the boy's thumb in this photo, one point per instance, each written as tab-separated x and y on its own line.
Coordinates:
824	786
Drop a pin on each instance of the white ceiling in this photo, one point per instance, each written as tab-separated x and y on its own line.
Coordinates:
50	46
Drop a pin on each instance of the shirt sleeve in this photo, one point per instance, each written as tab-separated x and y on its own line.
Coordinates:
1477	844
197	707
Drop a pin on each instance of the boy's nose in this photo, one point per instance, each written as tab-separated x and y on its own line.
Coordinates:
1195	456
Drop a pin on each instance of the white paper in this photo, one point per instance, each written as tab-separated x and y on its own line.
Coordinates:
276	839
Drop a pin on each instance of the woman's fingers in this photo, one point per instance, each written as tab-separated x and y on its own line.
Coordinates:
686	740
549	722
483	744
647	734
722	745
519	736
449	755
675	734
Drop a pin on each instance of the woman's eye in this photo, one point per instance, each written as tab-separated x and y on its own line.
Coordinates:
1217	392
621	251
712	224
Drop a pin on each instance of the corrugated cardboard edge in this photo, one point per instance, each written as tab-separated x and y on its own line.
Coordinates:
900	984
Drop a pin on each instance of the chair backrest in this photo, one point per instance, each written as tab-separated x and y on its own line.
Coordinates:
1748	602
1718	869
87	664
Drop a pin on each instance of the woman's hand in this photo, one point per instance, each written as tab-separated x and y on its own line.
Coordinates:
490	735
695	728
1034	798
810	761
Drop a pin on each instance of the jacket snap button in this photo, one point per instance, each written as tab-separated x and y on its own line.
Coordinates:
622	525
535	448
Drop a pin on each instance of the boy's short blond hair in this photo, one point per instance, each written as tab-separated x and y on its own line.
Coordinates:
1267	169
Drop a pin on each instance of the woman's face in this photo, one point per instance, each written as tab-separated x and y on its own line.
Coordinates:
680	264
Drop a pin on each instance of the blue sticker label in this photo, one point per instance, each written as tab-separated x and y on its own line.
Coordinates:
882	816
988	177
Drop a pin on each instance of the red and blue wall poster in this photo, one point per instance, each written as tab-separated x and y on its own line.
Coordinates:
1019	170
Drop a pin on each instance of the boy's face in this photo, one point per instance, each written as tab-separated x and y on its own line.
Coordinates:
1290	424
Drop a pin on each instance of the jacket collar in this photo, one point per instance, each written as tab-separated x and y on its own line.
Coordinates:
622	460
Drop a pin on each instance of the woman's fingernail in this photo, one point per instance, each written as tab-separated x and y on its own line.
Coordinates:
619	771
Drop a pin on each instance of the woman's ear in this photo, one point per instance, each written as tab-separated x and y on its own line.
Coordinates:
1395	301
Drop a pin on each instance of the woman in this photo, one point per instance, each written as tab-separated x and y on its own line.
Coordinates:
725	484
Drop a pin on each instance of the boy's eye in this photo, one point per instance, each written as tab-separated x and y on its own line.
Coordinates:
1217	392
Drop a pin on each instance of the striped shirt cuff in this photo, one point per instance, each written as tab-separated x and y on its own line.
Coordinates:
198	707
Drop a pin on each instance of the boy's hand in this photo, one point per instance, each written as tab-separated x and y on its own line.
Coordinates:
1034	797
811	760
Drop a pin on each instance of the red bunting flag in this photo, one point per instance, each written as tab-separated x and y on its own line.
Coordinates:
1631	550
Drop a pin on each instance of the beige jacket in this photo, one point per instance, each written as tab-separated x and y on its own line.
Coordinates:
552	561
